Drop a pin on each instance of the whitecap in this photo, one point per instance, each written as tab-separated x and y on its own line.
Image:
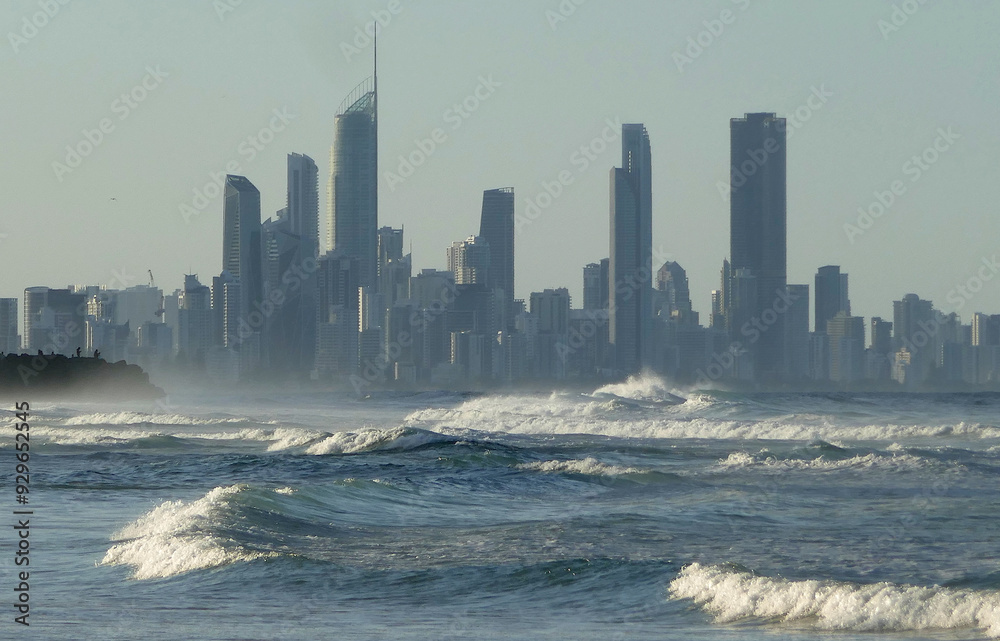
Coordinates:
175	538
733	595
588	466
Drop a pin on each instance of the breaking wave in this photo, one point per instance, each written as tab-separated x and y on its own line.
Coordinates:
177	537
562	415
731	595
399	438
141	418
589	466
641	387
764	460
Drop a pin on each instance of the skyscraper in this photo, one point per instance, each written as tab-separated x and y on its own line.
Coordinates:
757	218
797	330
496	228
847	346
352	213
592	287
470	261
394	268
54	319
242	248
672	280
303	201
10	341
194	319
831	296
630	267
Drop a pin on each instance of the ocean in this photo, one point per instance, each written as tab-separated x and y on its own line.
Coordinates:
633	511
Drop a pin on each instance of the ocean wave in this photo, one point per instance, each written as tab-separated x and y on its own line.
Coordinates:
279	439
60	436
141	418
400	438
176	537
559	415
768	462
642	387
732	595
588	466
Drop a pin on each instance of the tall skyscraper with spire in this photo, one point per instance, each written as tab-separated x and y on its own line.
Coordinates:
630	273
352	212
757	240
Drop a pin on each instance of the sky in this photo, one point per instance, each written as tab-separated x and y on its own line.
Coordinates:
118	117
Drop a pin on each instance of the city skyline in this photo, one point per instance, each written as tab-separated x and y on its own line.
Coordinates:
892	247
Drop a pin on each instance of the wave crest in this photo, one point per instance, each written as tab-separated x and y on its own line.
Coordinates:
732	595
175	537
141	418
588	466
400	438
766	461
641	387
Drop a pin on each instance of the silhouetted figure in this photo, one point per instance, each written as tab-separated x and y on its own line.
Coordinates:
78	352
97	353
40	353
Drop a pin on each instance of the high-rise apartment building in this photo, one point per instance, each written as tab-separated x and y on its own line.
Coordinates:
630	266
242	249
496	228
831	296
757	218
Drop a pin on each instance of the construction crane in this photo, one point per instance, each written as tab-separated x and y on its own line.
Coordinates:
152	283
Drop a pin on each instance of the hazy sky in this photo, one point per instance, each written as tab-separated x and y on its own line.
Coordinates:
888	82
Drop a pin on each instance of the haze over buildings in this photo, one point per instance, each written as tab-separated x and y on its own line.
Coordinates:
783	212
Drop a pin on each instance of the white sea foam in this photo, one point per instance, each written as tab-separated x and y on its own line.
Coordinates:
560	415
172	539
732	595
278	439
141	418
589	466
399	438
92	436
281	438
768	462
642	387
